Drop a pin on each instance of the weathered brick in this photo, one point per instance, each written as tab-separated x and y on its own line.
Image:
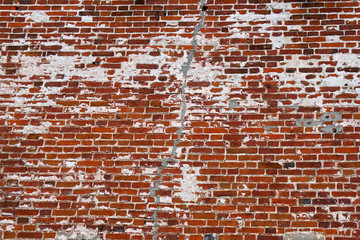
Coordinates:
184	120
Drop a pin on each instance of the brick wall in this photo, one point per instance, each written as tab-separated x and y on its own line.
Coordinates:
180	119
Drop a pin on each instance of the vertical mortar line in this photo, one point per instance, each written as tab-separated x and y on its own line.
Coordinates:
184	70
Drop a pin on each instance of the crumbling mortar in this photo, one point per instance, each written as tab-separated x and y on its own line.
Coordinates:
184	70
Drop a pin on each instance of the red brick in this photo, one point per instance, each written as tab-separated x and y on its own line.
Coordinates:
99	123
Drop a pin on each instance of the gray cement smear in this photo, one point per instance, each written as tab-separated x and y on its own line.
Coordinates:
267	128
306	122
233	104
332	129
184	70
331	117
303	236
327	117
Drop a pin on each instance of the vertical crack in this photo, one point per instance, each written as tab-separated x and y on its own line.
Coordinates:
184	70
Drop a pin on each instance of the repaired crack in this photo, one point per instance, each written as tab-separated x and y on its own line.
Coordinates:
184	69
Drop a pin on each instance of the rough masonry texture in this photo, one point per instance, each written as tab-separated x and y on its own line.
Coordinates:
180	119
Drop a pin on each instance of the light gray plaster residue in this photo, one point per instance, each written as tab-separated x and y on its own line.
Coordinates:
303	236
328	117
184	69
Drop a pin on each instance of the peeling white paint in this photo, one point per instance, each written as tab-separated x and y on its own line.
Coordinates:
51	198
98	222
165	199
347	123
86	18
127	171
322	79
65	66
303	236
280	5
189	189
38	16
133	230
70	163
7	221
9	227
46	178
243	19
43	128
333	38
78	232
280	41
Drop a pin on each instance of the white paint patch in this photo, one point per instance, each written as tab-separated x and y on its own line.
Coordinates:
46	178
38	16
132	230
87	18
246	139
189	188
279	41
243	19
347	59
9	227
65	66
281	5
303	236
222	200
343	217
250	102
99	175
338	78
42	199
333	38
7	221
51	68
43	128
80	232
3	60
189	19
149	170
70	164
98	222
165	200
347	123
127	171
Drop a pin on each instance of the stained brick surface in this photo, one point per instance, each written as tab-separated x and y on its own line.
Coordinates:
186	119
